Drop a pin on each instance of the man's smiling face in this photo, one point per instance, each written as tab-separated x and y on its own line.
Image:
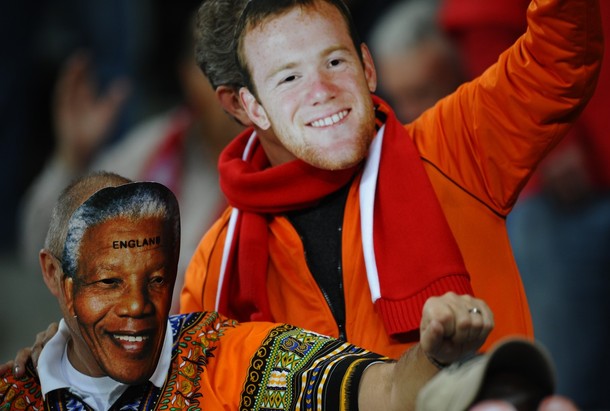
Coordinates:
312	87
121	297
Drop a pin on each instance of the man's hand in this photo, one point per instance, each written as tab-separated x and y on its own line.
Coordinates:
33	353
83	119
454	326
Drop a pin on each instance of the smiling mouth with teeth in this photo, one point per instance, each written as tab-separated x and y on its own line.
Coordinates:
131	338
330	120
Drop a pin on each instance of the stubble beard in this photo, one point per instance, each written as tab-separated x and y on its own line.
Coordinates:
354	154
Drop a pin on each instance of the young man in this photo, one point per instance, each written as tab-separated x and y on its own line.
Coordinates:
111	257
352	220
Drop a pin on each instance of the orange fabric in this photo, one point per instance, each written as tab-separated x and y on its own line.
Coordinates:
479	146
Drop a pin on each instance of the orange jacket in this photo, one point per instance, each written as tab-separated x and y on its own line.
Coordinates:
479	147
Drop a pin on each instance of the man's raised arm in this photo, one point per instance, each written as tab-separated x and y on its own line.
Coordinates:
499	126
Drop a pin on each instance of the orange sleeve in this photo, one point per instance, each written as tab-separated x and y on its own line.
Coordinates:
491	133
278	366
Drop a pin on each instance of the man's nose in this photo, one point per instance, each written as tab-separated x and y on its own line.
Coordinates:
135	302
321	88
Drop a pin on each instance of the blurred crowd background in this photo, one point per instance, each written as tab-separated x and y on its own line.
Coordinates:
131	55
130	40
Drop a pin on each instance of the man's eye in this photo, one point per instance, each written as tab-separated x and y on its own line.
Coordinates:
335	62
109	281
157	280
289	79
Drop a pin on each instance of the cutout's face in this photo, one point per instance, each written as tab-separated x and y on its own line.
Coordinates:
313	89
121	297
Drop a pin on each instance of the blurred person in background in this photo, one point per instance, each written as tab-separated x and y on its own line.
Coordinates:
560	227
121	40
366	13
416	61
177	147
34	37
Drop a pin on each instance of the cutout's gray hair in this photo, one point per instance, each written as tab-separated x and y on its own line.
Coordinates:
131	201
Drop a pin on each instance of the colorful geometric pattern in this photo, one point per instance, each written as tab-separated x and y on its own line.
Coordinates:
195	339
298	369
22	394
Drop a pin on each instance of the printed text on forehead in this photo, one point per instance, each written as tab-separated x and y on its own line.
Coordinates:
136	243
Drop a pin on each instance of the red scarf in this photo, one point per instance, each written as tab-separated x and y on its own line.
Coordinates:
415	252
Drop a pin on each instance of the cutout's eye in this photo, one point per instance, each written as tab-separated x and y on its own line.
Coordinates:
289	79
157	280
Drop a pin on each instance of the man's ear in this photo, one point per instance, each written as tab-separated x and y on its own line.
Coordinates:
51	271
67	285
228	98
369	68
254	109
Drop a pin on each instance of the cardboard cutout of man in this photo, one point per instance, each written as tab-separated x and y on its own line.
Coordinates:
111	257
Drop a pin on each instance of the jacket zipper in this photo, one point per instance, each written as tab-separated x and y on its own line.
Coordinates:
340	322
